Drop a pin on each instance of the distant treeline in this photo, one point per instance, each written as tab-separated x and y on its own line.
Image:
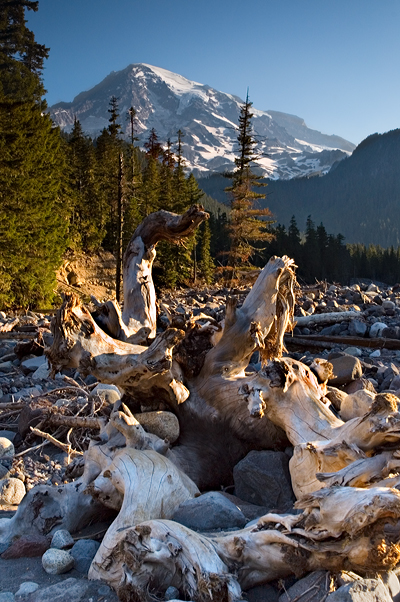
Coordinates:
359	197
323	256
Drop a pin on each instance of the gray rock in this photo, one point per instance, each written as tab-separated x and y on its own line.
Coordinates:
263	478
108	393
262	593
357	328
62	540
8	435
26	588
6	448
208	512
71	589
336	397
34	363
57	562
12	491
42	372
391	332
6	367
355	351
83	552
28	392
387	304
4	471
7	597
172	593
345	369
364	590
312	588
377	329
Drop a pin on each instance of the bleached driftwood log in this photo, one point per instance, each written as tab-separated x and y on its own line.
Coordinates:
137	321
224	412
339	529
125	471
326	318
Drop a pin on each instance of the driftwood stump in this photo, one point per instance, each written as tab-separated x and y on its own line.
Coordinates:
344	475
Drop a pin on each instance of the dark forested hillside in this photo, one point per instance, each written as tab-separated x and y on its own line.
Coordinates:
359	197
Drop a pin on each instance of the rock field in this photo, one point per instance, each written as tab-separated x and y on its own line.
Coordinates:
363	347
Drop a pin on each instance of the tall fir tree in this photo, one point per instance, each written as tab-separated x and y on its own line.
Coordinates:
87	227
108	150
132	182
33	210
246	226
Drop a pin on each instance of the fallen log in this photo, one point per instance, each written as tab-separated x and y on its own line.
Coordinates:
326	318
329	342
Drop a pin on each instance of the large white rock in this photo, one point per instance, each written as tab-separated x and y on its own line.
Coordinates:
56	562
12	491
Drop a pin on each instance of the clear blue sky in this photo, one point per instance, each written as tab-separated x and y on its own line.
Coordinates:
336	63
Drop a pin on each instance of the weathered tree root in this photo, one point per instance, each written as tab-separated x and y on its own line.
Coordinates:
339	529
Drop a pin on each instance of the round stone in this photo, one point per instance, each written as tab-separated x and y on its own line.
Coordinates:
62	539
12	491
163	424
6	448
56	562
26	588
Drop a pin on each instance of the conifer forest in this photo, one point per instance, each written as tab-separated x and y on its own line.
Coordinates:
67	191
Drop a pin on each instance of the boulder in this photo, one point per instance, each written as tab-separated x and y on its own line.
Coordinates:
12	491
25	589
262	593
108	393
346	368
263	478
356	405
6	448
364	590
377	329
163	424
209	512
357	328
83	552
57	562
312	588
62	540
336	397
29	546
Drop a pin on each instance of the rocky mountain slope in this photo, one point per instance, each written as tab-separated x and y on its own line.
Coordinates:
168	102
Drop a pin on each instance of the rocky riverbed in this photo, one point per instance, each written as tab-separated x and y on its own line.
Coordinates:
356	328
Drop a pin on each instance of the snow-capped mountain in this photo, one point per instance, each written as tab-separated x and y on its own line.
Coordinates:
208	118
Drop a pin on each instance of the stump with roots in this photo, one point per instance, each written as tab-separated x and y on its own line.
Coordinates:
344	475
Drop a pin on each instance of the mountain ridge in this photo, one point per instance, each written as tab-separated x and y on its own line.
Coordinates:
167	101
359	198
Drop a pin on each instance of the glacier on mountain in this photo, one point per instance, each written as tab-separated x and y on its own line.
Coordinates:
167	102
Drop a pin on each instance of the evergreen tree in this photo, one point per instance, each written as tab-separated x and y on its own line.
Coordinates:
132	182
294	241
150	191
246	227
33	214
87	227
206	264
108	150
167	166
